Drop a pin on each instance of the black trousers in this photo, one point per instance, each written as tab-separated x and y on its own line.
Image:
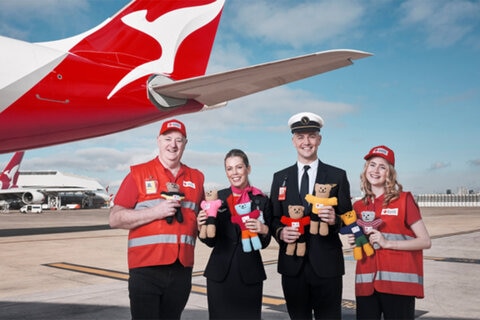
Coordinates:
392	306
159	292
232	298
307	292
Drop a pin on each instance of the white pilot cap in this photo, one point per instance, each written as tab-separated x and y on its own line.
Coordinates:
305	122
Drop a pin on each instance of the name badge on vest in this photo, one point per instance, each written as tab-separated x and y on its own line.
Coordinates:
151	186
389	212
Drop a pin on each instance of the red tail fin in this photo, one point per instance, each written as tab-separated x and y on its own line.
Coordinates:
9	175
171	37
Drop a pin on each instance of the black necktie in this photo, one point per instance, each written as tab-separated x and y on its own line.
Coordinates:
304	185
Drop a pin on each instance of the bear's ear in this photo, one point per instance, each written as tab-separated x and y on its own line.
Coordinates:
330	187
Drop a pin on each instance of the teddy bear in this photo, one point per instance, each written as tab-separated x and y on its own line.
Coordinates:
321	198
296	218
173	192
349	218
369	223
250	240
210	205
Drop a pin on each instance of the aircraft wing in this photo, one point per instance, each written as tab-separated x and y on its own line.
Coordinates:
12	194
219	88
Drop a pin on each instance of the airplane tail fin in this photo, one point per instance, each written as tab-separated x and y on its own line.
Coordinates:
169	37
9	175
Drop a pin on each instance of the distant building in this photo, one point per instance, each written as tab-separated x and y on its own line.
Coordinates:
449	200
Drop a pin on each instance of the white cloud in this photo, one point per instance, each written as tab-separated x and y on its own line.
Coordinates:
48	11
444	22
304	23
439	165
256	31
474	162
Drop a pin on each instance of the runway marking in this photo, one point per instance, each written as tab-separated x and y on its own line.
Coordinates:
269	300
445	235
199	289
450	259
117	275
89	270
51	230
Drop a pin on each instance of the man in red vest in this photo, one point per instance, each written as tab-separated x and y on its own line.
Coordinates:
161	241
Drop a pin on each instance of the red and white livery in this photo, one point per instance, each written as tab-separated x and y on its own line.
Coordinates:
145	63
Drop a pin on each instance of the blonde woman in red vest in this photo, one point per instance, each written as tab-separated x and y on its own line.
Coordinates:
158	202
388	282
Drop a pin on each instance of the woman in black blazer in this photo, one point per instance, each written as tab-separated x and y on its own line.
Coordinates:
235	271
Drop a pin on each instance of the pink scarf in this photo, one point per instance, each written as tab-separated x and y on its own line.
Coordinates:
244	193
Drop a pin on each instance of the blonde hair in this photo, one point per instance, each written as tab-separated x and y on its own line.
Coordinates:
392	187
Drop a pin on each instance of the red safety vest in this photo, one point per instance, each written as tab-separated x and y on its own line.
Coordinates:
157	242
390	271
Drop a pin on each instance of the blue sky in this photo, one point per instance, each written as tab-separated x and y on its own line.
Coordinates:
419	94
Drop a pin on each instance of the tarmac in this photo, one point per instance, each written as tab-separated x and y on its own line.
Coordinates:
71	265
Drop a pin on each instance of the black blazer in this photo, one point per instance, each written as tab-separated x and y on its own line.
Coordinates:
324	252
227	244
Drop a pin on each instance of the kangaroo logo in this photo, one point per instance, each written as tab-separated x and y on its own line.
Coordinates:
7	177
169	34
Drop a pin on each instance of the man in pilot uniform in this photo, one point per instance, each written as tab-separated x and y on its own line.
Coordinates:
312	282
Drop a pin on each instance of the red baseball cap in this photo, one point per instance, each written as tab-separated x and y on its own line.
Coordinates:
173	125
382	152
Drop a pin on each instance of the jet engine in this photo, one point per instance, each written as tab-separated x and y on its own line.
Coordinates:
33	197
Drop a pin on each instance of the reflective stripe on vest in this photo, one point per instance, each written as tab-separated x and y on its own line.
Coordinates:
187	239
391	271
364	278
160	239
389	276
396	237
159	242
151	203
399	277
